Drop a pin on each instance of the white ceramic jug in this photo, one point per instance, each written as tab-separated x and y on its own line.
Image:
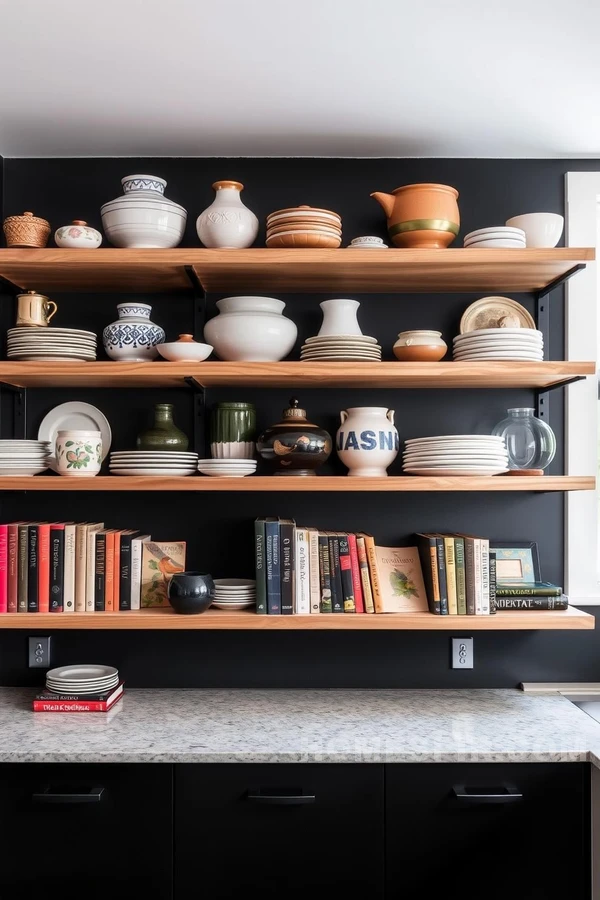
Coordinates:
367	441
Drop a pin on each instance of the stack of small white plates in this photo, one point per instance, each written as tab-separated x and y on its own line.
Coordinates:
24	457
28	343
456	454
341	347
82	679
227	468
152	462
234	593
496	236
525	344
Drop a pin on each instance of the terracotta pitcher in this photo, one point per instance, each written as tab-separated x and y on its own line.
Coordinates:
424	216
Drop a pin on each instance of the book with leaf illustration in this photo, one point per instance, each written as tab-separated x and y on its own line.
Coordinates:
160	561
400	580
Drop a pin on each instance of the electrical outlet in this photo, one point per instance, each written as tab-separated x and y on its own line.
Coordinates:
462	653
39	652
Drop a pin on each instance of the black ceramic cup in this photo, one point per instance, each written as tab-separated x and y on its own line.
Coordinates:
191	592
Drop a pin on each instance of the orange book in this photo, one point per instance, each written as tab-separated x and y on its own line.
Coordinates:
109	578
44	568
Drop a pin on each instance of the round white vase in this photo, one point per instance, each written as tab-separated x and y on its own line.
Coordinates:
133	337
339	317
251	329
143	218
227	223
78	236
367	441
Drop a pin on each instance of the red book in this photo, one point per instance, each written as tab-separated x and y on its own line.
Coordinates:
3	568
49	702
109	572
12	579
356	579
44	568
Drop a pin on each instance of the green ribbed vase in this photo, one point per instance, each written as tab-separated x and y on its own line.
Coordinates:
233	430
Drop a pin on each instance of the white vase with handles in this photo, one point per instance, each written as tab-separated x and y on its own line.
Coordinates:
367	441
227	223
339	317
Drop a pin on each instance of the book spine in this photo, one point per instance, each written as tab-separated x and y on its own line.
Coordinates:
477	579
325	574
556	603
314	569
302	586
109	574
337	602
136	570
349	603
116	572
286	543
100	573
43	568
260	568
80	567
493	601
32	570
90	570
13	568
375	586
552	591
356	579
3	568
441	565
428	556
69	568
273	568
23	568
70	706
57	568
461	584
450	576
470	575
485	577
363	564
125	573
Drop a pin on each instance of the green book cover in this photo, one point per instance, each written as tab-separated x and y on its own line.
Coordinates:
461	581
259	560
325	574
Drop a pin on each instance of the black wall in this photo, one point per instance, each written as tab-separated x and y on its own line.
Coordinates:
218	528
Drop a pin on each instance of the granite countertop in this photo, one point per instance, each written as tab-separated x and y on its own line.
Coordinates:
303	726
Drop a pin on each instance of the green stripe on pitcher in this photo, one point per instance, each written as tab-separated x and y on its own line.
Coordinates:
423	225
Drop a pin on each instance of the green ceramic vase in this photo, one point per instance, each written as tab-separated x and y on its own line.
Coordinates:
233	431
164	434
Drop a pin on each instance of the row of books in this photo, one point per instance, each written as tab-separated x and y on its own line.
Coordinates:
68	567
305	571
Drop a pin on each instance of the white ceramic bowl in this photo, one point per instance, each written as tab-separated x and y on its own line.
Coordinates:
541	229
184	351
251	329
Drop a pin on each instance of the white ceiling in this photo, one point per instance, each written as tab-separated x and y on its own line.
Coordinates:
300	78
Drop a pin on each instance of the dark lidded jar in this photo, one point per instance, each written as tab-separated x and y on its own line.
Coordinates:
294	446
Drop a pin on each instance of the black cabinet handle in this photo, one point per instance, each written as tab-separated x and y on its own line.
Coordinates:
281	799
48	795
503	794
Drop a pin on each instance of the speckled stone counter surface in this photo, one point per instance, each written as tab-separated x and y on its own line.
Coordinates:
303	726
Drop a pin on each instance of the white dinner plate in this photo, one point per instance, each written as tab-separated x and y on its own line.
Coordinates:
83	685
506	245
81	673
235	582
501	354
74	416
525	346
233	606
7	473
154	472
456	437
459	470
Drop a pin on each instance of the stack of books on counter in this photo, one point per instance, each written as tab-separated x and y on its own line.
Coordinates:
80	689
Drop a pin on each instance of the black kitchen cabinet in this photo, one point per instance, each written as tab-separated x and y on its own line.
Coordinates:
85	832
273	831
484	830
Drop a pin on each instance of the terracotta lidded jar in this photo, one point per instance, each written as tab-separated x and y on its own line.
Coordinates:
423	216
227	223
294	446
164	433
420	346
26	231
367	441
78	236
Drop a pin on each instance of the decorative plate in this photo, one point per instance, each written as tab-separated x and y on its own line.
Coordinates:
488	312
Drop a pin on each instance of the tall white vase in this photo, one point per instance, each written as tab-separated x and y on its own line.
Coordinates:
367	441
227	223
339	317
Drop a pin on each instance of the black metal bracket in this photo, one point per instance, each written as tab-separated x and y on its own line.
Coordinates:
199	300
9	286
199	419
19	411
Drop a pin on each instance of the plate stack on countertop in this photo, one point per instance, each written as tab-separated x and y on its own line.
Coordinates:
82	679
153	462
499	236
525	344
341	347
50	344
234	593
24	457
455	454
304	226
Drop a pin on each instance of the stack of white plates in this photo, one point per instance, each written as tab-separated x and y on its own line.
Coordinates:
82	679
227	468
234	593
456	454
500	343
496	236
46	343
24	457
152	462
340	347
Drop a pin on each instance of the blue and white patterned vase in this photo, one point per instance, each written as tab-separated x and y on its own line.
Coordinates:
133	337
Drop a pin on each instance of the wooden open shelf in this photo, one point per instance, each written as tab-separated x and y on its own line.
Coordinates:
293	485
542	620
294	270
540	375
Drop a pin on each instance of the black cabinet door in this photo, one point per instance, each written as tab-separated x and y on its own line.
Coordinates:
491	831
279	831
85	832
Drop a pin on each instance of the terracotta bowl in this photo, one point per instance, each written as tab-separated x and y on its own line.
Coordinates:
306	239
305	226
422	353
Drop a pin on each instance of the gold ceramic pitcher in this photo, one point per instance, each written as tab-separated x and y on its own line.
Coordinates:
34	309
